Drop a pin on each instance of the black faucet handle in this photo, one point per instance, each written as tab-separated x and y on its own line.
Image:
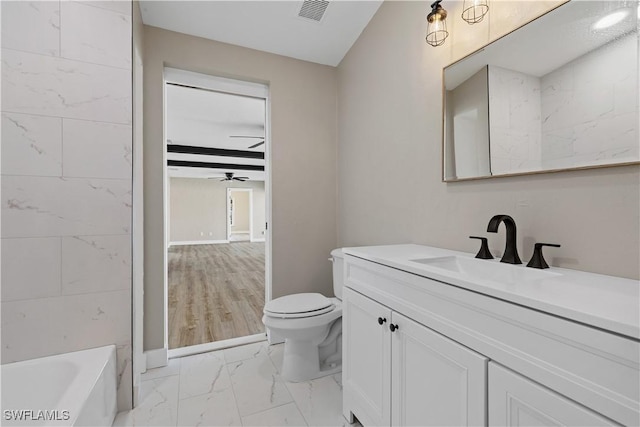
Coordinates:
484	252
537	260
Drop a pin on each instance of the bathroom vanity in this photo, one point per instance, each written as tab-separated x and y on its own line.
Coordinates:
437	337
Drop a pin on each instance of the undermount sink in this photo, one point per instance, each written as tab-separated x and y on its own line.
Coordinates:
486	270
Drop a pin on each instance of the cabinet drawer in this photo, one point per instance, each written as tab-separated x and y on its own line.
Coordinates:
600	370
517	401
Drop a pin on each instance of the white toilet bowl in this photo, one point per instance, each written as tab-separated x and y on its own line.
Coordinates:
311	325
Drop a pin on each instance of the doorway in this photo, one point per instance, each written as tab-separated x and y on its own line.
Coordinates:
240	215
217	192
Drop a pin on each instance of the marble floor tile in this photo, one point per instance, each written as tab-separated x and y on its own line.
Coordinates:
320	400
213	409
276	353
244	352
202	374
203	390
284	415
158	404
257	385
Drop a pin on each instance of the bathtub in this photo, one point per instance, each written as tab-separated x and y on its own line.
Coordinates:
72	389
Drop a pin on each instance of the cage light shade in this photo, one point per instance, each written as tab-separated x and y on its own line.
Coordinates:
437	25
474	10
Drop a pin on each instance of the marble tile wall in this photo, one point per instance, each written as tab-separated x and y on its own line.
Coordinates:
514	120
589	108
66	180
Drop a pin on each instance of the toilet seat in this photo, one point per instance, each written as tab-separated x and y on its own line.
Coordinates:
299	305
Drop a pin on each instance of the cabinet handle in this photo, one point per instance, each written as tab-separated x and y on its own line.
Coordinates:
393	327
381	320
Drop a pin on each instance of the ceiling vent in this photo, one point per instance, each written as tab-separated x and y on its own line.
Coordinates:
313	9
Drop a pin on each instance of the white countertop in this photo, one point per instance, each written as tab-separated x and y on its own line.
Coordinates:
607	302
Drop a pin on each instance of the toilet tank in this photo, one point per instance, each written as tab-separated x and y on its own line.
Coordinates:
337	257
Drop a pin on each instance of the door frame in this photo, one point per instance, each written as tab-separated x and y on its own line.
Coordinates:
235	87
244	189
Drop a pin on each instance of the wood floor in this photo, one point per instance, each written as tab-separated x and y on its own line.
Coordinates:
216	292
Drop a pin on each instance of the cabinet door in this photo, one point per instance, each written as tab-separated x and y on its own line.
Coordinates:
517	401
436	381
366	362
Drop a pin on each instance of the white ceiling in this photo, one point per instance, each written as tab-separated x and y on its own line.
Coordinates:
270	26
208	119
204	118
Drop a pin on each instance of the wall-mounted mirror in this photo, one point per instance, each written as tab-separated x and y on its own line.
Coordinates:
558	93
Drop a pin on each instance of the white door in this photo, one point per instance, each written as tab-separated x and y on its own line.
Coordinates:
366	367
435	381
517	401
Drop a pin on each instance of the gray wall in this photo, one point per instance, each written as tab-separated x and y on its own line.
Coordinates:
66	180
389	156
200	205
303	156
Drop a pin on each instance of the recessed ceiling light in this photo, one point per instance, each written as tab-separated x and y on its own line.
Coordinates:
611	19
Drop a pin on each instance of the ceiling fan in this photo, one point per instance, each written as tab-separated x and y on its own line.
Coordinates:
229	177
252	137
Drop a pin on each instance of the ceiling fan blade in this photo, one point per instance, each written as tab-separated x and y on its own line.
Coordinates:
257	145
239	179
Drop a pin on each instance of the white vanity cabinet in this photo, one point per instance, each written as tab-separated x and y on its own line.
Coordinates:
460	356
398	372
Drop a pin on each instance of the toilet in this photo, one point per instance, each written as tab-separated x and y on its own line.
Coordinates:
311	326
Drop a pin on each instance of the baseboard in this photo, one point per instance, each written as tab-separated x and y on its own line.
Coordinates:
240	232
198	242
156	358
257	240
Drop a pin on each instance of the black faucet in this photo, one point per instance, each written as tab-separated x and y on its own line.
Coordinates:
510	251
537	260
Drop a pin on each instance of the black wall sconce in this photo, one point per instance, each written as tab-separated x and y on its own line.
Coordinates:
437	25
473	11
